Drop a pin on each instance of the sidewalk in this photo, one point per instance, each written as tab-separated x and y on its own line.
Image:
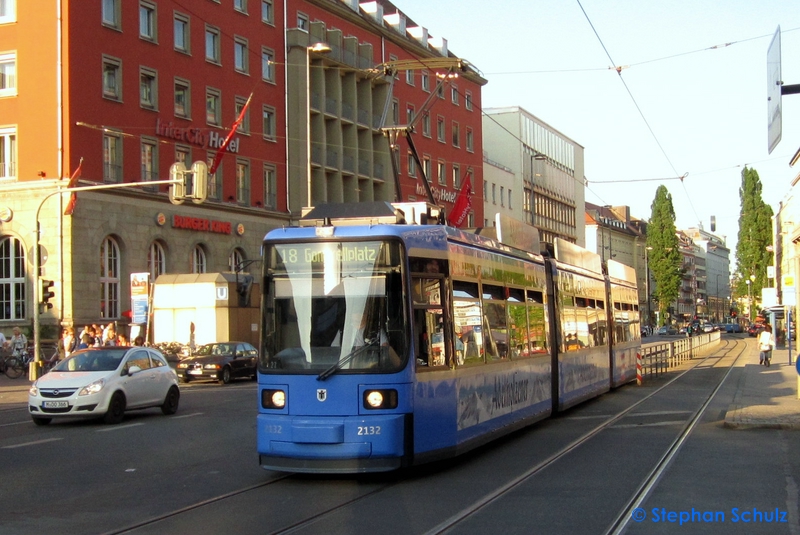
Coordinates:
766	397
13	392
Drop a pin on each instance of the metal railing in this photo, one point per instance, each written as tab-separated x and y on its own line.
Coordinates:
659	357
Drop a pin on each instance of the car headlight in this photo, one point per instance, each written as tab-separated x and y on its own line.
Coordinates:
273	399
380	399
93	388
34	390
212	366
182	365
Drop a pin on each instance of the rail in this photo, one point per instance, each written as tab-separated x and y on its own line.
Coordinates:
659	357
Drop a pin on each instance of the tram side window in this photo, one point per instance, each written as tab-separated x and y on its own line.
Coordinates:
467	322
494	323
537	323
517	323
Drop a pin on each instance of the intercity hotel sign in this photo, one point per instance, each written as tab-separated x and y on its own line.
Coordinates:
208	139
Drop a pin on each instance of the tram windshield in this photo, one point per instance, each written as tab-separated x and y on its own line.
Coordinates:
334	307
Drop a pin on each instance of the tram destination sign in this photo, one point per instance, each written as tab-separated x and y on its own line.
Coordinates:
304	254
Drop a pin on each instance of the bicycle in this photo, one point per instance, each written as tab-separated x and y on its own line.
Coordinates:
16	365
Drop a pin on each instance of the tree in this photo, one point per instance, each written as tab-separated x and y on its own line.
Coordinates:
664	257
755	235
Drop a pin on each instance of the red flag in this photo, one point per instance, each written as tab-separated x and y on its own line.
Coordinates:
221	149
462	205
73	181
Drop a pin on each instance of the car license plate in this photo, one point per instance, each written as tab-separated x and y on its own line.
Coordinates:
55	404
195	372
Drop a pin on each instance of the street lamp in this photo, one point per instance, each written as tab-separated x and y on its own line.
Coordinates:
319	48
646	281
749	301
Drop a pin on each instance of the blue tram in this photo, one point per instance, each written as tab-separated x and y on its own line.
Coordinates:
389	340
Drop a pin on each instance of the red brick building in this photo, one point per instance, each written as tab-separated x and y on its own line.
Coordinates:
130	87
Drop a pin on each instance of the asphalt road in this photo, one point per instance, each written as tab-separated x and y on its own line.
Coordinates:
197	472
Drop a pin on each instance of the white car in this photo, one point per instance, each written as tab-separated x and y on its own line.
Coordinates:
103	383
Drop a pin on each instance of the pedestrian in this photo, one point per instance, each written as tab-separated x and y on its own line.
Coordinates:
18	343
766	343
3	341
86	342
138	341
68	342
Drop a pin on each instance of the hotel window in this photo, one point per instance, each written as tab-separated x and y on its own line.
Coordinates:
198	260
456	135
502	196
268	122
454	94
426	167
410	77
112	157
470	140
267	65
240	6
8	153
240	56
183	154
395	112
148	88
8	11
426	125
156	260
235	259
244	126
12	279
148	22
243	182
213	114
109	279
412	165
212	45
8	74
509	198
112	78
456	176
409	114
111	14
267	12
302	21
440	128
494	194
441	173
270	187
183	101
182	32
150	162
440	91
215	180
468	100
426	81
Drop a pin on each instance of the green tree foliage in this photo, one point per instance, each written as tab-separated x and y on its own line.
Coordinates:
755	234
664	257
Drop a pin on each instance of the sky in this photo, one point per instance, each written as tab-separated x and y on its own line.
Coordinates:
691	98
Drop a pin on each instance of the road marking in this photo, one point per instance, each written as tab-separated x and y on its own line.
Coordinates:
591	417
16	423
31	443
188	415
118	427
656	424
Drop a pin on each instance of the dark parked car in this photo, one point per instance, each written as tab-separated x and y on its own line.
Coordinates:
220	361
755	329
667	329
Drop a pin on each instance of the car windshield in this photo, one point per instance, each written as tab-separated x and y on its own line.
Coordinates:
215	349
91	361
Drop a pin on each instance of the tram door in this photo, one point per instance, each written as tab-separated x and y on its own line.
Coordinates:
429	325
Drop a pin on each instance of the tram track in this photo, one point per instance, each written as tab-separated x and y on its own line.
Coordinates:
620	521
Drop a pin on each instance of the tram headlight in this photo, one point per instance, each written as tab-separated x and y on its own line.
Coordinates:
380	399
273	399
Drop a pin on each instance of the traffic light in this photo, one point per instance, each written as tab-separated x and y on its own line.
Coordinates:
190	183
47	294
